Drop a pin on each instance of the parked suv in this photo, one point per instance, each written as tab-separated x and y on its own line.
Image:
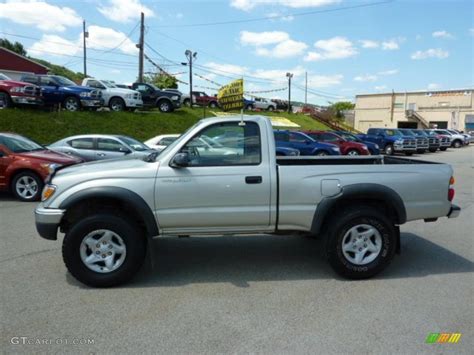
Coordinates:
391	140
347	147
58	90
304	143
422	143
153	96
264	104
14	92
117	99
202	99
24	165
457	140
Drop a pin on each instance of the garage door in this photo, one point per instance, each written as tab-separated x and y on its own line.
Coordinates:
469	123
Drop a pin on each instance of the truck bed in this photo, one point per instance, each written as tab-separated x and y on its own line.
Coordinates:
346	160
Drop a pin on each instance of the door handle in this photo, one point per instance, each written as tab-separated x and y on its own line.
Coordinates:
101	154
253	179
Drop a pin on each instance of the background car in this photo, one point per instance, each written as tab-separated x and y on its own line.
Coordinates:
433	142
374	148
305	144
347	147
444	139
91	147
457	140
264	104
161	142
178	92
249	104
422	143
202	99
14	92
153	96
25	165
117	99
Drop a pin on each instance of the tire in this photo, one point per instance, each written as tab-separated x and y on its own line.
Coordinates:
165	106
186	102
5	100
116	104
353	152
420	151
249	107
271	108
27	186
408	154
443	149
213	104
457	144
72	103
341	243
321	153
388	149
432	150
127	261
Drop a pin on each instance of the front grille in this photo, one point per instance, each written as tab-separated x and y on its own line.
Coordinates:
96	94
433	140
421	142
409	143
136	96
32	90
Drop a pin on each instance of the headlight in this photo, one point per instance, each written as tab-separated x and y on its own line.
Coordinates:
85	94
175	97
48	191
51	167
377	146
129	96
399	141
18	89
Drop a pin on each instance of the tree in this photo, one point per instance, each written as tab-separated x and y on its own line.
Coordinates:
161	80
16	47
340	106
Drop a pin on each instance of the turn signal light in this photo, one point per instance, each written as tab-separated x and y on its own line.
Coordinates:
452	180
451	191
48	191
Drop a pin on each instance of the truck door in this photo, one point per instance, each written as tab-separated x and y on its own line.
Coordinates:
226	189
147	94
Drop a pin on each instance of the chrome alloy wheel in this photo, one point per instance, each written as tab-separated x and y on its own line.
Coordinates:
26	187
361	244
353	152
103	251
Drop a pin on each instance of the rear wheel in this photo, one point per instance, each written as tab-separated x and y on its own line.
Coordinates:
72	103
321	153
165	106
116	104
457	144
27	186
5	101
432	150
388	149
187	102
361	242
249	107
353	152
271	108
213	104
104	250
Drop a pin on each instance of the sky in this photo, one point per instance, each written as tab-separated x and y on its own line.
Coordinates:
346	47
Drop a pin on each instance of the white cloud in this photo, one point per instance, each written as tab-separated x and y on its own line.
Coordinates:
365	78
262	38
277	74
227	68
55	45
390	45
247	5
274	16
388	72
430	53
333	48
40	14
284	46
324	81
367	43
179	15
471	31
381	87
124	10
433	86
442	34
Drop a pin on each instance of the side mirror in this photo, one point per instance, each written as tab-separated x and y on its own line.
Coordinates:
125	150
180	160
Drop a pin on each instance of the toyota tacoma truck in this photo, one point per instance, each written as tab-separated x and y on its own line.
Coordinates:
111	211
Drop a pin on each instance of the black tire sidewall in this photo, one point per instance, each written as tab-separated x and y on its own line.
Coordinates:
117	99
390	151
131	235
162	102
8	101
336	234
38	180
443	149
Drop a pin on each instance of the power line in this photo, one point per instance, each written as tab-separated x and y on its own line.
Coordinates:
266	18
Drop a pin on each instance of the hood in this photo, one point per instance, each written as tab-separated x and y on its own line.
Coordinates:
120	91
77	88
326	145
16	83
50	156
354	144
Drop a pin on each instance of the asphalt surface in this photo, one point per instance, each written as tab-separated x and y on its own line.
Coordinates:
246	294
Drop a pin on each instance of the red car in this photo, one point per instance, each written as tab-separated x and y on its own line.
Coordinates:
347	147
25	165
202	99
18	93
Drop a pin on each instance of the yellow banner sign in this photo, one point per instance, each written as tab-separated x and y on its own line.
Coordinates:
231	96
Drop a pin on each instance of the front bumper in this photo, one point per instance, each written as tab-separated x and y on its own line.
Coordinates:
176	104
454	211
92	103
133	103
47	221
26	100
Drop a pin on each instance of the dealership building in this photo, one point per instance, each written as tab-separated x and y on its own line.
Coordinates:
418	109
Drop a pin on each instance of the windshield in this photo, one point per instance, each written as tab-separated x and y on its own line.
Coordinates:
349	137
19	144
408	133
134	144
63	81
4	77
108	84
393	132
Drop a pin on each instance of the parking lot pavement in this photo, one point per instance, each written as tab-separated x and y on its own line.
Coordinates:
245	294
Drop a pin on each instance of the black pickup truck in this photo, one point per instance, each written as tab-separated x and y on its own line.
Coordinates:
153	96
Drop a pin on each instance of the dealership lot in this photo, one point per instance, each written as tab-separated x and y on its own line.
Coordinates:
245	294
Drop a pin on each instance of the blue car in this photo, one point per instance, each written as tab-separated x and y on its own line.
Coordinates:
248	104
304	143
374	148
58	90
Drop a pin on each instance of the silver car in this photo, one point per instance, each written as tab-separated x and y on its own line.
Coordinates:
101	146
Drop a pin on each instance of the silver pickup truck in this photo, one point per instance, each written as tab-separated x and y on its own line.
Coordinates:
110	211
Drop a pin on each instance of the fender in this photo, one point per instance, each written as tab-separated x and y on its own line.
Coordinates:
163	98
133	200
359	191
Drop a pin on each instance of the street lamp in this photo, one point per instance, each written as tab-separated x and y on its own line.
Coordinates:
190	56
289	76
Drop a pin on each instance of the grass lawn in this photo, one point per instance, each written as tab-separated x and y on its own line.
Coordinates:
48	127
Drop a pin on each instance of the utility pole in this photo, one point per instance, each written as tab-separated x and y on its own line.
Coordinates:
289	76
190	56
140	47
306	88
85	35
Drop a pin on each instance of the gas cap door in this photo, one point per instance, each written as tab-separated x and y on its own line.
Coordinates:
330	187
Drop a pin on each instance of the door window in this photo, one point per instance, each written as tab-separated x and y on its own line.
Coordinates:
82	143
297	138
235	145
329	137
110	145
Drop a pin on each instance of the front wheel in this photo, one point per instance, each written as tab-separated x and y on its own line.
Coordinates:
443	149
432	150
72	104
388	149
408	154
165	106
457	144
213	104
104	250
361	242
116	104
27	186
271	108
187	102
321	153
353	152
5	101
